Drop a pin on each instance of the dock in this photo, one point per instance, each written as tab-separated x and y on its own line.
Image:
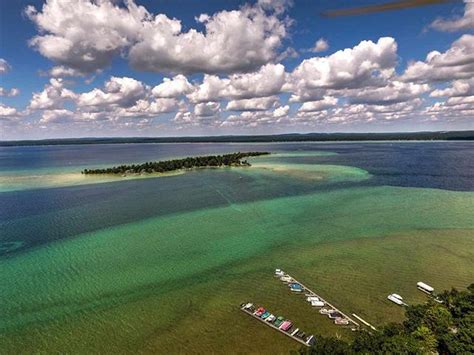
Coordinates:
364	321
288	334
312	293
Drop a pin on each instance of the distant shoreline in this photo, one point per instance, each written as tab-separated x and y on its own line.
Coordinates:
291	137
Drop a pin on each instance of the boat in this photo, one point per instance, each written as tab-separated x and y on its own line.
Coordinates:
425	288
341	321
325	311
259	311
286	325
335	315
395	300
312	298
310	340
301	334
270	318
286	278
279	273
249	307
265	315
296	287
293	333
317	303
397	296
278	321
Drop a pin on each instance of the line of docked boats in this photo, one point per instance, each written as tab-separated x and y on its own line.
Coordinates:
313	299
278	322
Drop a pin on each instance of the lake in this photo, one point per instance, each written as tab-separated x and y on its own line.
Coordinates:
161	264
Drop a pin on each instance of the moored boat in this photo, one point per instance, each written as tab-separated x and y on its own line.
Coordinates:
425	288
325	311
259	311
279	273
286	325
279	321
296	287
286	278
265	315
341	321
270	318
395	300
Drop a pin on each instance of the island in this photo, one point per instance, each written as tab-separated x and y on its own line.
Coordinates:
233	159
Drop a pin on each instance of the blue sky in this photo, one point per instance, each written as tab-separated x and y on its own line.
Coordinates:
74	69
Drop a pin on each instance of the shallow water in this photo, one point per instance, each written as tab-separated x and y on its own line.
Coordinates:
160	264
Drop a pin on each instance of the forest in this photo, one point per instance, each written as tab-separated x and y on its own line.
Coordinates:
233	159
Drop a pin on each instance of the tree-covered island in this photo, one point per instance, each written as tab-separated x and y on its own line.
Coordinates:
234	159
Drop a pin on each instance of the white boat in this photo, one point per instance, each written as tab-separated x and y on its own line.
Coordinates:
424	287
317	303
341	321
395	300
286	278
279	273
397	296
270	318
248	305
312	298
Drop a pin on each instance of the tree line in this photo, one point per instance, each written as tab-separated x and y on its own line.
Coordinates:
431	328
233	159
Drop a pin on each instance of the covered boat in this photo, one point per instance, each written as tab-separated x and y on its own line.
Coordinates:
279	273
286	325
286	278
335	315
296	287
341	321
424	287
265	315
317	303
270	318
395	300
259	311
278	321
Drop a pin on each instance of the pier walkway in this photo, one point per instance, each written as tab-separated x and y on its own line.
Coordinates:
288	334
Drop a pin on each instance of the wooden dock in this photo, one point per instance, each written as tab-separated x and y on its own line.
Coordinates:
312	293
299	340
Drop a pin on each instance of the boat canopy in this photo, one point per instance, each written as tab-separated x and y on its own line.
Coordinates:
296	286
425	287
395	300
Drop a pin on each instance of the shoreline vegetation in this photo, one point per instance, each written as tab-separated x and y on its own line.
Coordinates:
165	166
290	137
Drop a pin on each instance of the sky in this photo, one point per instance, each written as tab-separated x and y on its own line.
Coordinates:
110	68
